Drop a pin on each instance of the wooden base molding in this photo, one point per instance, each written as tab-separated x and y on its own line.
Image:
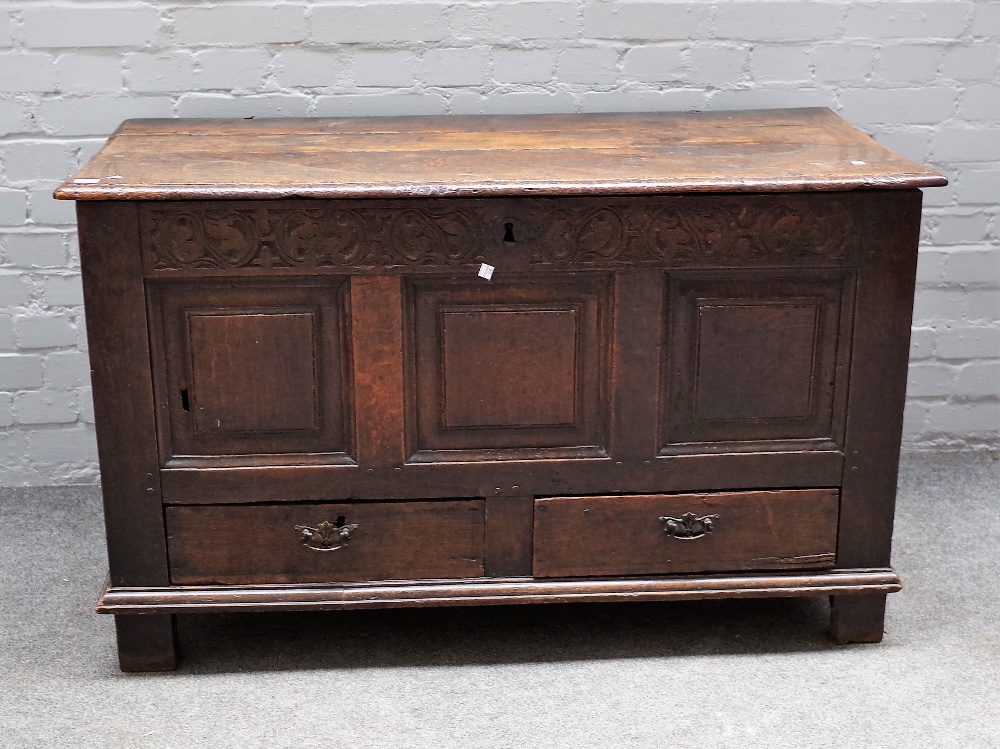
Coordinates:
217	598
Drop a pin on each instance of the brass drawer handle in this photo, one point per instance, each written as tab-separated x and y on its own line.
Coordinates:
688	526
327	536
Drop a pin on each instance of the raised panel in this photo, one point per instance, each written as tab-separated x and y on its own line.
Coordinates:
509	367
247	368
519	367
755	359
237	357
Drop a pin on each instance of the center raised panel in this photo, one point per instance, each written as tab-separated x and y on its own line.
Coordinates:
508	367
533	383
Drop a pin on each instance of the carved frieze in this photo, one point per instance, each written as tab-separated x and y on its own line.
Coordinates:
235	236
694	231
568	232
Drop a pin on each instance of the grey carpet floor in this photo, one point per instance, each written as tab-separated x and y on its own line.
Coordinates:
697	674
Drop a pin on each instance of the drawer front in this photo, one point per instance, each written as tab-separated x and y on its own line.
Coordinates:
325	542
655	534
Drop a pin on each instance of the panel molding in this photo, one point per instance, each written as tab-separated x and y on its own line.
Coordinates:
795	397
184	438
201	420
447	422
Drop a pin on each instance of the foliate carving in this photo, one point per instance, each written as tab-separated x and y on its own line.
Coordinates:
304	237
420	236
560	232
693	231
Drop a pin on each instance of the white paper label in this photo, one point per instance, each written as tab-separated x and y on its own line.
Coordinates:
86	181
858	163
486	271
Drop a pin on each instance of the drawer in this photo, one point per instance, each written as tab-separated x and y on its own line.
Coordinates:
325	542
651	534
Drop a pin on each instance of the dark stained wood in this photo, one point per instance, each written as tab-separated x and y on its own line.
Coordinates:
857	618
509	367
264	543
508	536
517	364
377	350
742	346
781	467
878	378
237	358
115	308
146	642
493	592
749	151
635	371
624	535
515	235
757	356
249	367
689	316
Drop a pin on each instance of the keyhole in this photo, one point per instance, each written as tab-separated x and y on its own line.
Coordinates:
341	521
508	232
185	402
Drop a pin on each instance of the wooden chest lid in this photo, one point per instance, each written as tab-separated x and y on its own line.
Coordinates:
782	150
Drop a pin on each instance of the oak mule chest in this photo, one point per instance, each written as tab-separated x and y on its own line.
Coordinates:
457	361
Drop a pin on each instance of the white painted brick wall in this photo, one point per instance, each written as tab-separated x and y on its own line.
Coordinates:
921	77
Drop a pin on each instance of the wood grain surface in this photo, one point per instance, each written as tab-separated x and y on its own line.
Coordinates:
783	466
263	544
625	535
208	598
748	151
689	313
247	367
123	393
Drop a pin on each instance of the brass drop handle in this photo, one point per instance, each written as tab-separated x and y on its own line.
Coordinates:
689	526
327	536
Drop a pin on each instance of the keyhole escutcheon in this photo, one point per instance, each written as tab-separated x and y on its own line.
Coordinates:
508	232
